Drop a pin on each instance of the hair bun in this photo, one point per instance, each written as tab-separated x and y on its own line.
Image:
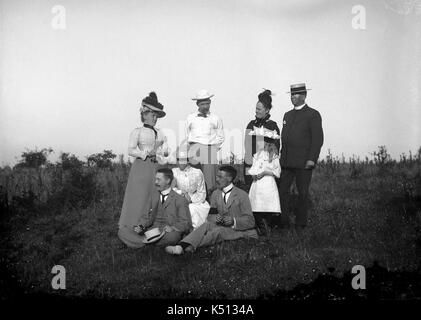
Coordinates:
265	98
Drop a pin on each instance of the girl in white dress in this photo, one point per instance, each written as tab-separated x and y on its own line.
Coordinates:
263	194
190	183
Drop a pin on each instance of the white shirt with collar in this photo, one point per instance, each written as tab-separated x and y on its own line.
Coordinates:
224	190
299	107
209	130
165	193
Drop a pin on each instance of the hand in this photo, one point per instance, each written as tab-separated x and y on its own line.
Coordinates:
152	153
168	229
158	144
260	176
310	164
228	221
219	219
140	230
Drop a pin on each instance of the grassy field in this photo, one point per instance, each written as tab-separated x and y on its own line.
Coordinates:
361	212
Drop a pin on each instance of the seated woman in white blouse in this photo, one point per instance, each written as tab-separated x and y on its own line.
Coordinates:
190	182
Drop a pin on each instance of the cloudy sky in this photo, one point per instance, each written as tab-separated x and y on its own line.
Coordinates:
78	89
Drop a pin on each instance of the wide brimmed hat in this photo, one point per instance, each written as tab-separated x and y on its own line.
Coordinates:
298	88
153	235
151	103
203	95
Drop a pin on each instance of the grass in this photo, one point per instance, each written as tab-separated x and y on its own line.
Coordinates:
374	215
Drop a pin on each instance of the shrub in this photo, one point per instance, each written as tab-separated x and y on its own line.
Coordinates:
102	160
34	158
70	161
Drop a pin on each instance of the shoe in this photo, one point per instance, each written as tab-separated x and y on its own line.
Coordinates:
177	250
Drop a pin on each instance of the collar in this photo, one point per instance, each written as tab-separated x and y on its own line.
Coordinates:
186	169
150	127
166	192
205	114
260	121
299	107
228	188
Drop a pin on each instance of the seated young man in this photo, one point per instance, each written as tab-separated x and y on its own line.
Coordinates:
169	212
234	218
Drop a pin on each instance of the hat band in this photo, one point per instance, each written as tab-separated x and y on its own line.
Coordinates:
155	236
298	89
151	107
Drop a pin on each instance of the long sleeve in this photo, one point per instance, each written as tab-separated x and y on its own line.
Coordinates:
316	137
246	220
187	129
276	169
220	136
199	196
254	170
133	149
162	150
248	145
183	223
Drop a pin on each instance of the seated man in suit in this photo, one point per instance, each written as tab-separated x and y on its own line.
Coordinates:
169	212
234	218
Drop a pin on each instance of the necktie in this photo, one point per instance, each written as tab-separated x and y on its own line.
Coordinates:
202	115
225	195
164	196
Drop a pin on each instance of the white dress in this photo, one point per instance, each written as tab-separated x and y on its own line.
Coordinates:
191	181
263	194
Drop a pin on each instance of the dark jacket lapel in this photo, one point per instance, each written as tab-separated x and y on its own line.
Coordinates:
169	199
232	196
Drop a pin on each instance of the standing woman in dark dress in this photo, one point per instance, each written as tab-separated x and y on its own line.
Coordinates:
148	145
251	143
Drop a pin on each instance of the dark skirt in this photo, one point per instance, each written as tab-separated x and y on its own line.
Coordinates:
137	198
268	219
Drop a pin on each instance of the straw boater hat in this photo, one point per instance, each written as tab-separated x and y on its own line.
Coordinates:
203	95
298	88
153	235
151	103
182	151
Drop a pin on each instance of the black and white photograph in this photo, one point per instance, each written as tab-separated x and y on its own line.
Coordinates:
209	158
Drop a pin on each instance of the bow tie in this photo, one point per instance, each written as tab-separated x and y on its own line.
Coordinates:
202	115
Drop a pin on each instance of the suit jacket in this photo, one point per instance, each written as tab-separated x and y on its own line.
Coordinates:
302	137
173	212
238	206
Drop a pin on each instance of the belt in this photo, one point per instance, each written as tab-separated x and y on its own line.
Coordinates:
208	145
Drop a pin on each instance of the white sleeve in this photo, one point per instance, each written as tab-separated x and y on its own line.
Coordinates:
199	196
133	149
276	170
254	169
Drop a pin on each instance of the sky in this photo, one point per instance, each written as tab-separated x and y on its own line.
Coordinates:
78	89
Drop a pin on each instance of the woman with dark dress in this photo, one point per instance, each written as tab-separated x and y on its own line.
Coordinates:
252	143
147	144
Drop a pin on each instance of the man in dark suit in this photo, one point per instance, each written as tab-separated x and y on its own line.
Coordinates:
302	139
233	218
